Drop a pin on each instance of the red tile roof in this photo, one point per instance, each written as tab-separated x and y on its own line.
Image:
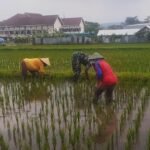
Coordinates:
72	21
30	19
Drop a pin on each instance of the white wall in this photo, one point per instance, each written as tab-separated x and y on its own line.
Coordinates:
50	29
82	27
57	24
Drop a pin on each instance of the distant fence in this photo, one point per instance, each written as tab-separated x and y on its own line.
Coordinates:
63	40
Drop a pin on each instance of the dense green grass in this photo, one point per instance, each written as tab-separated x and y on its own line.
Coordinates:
128	60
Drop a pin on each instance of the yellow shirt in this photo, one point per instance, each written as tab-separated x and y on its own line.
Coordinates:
34	64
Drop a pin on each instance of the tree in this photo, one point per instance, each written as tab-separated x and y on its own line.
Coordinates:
92	27
115	27
132	20
147	19
148	36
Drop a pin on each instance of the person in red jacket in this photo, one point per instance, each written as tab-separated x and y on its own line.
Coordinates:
106	78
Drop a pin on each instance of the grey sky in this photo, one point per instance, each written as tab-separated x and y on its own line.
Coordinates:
91	10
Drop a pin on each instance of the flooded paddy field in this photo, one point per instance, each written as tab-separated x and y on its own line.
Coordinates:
44	114
54	113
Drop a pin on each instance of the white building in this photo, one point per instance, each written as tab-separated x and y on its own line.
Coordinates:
73	25
117	35
29	24
137	26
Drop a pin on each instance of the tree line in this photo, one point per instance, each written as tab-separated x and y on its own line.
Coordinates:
93	27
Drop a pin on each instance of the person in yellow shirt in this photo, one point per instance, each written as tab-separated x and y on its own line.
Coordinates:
34	66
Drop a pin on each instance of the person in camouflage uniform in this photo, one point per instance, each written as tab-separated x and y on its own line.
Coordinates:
78	59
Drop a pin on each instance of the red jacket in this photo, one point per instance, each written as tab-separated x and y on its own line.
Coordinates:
108	77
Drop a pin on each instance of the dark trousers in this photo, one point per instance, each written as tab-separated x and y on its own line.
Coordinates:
108	93
23	69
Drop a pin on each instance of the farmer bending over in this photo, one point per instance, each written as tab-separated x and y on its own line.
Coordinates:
106	78
34	66
78	59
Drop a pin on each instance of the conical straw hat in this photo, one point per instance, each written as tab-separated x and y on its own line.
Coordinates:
95	56
46	61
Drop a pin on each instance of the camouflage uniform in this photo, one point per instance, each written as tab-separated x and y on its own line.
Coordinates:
79	58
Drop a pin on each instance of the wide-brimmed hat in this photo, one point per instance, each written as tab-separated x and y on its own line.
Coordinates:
95	56
46	61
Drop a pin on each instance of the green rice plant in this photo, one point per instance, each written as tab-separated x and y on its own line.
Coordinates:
122	54
25	146
148	141
23	129
46	146
69	131
112	141
52	105
65	114
40	116
129	107
72	112
47	109
128	110
130	139
3	107
133	132
144	101
137	122
94	123
89	143
27	116
78	117
54	141
117	137
3	144
63	106
75	121
83	133
46	131
122	119
62	136
53	126
19	144
64	146
90	124
18	128
59	122
108	146
58	111
9	130
14	136
29	131
52	115
38	135
73	142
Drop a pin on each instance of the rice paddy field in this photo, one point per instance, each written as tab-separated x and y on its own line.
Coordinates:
55	113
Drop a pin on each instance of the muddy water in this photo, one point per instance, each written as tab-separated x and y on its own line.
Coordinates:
142	139
45	115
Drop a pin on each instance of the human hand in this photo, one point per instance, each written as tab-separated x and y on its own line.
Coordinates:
98	84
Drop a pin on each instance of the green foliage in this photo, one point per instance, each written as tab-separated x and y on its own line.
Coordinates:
115	27
92	27
3	145
128	60
23	40
132	20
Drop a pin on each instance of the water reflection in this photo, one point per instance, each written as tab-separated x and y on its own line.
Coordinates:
52	115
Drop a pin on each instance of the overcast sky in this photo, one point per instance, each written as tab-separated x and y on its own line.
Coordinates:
101	11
